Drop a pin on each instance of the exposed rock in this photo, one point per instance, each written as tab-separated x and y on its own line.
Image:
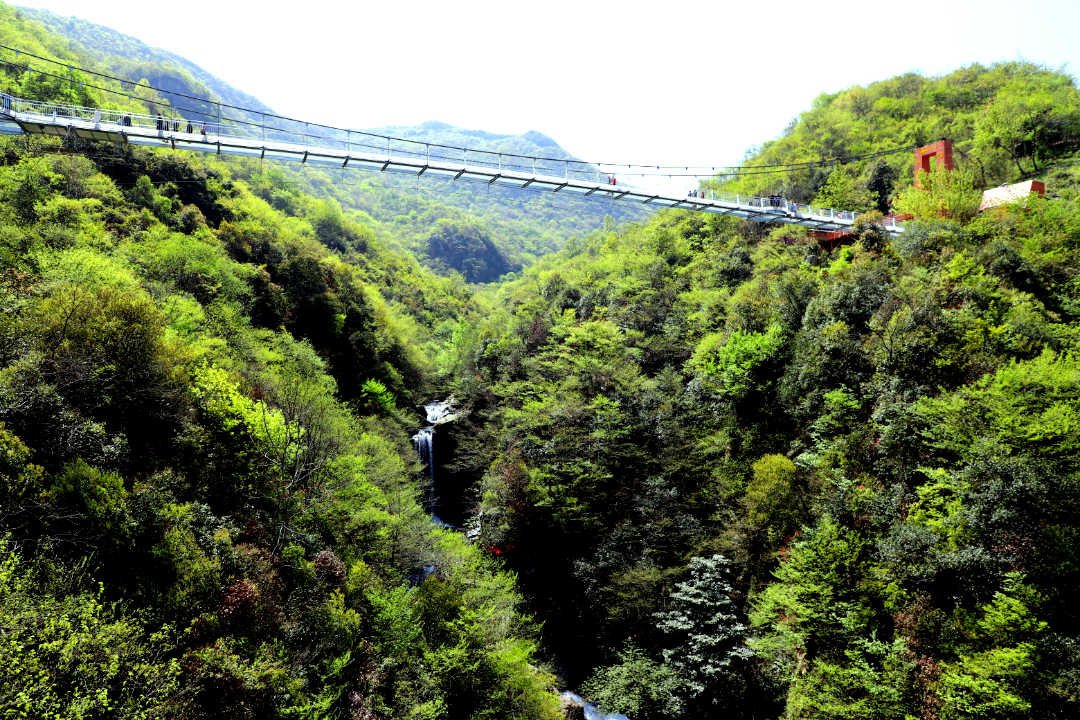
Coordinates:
571	709
329	569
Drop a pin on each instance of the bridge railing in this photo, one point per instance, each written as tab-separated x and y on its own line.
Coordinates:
358	141
318	137
782	204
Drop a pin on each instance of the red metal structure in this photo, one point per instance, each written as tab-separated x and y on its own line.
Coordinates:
924	157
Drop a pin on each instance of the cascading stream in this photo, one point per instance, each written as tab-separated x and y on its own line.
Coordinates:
438	413
592	712
424	440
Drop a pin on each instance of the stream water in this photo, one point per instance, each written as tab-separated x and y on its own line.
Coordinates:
424	440
591	711
437	413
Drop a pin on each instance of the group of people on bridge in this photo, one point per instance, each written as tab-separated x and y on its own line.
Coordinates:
165	124
778	201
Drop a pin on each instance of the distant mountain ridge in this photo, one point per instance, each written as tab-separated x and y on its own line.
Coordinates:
531	142
105	45
482	233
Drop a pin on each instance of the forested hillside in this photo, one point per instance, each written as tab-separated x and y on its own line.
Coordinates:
131	58
210	504
479	231
1007	121
739	475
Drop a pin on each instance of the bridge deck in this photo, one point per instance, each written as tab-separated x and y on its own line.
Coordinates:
19	116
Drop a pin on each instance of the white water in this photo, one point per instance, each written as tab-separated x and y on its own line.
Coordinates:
425	446
591	711
424	440
437	411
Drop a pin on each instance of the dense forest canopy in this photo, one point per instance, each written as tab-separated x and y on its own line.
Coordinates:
703	467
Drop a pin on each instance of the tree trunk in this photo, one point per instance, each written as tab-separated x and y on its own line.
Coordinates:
1016	159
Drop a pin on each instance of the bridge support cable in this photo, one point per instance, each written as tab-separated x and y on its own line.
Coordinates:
72	123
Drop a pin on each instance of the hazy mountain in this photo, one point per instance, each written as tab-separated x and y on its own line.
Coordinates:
480	231
127	54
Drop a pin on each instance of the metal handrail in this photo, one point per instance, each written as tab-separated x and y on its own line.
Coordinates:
349	141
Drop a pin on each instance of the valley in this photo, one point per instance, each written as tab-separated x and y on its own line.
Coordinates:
285	438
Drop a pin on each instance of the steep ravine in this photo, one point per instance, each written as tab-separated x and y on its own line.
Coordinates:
447	500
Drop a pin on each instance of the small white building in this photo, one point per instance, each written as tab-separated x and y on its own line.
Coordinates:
1011	193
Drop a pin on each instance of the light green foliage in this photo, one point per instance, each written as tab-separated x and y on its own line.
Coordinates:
940	505
196	266
20	479
637	686
1025	407
842	190
727	364
378	392
987	680
872	679
1030	114
771	495
1004	119
67	654
25	187
942	193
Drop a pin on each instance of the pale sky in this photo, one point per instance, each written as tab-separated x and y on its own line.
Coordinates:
655	83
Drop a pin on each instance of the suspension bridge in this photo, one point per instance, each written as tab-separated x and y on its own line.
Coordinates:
337	148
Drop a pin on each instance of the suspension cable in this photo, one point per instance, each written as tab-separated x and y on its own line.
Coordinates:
612	168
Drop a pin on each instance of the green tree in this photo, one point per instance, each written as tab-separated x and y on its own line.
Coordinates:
941	193
636	686
992	678
843	192
772	497
704	632
1028	117
68	654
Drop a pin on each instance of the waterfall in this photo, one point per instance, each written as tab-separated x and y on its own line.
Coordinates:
425	443
436	413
